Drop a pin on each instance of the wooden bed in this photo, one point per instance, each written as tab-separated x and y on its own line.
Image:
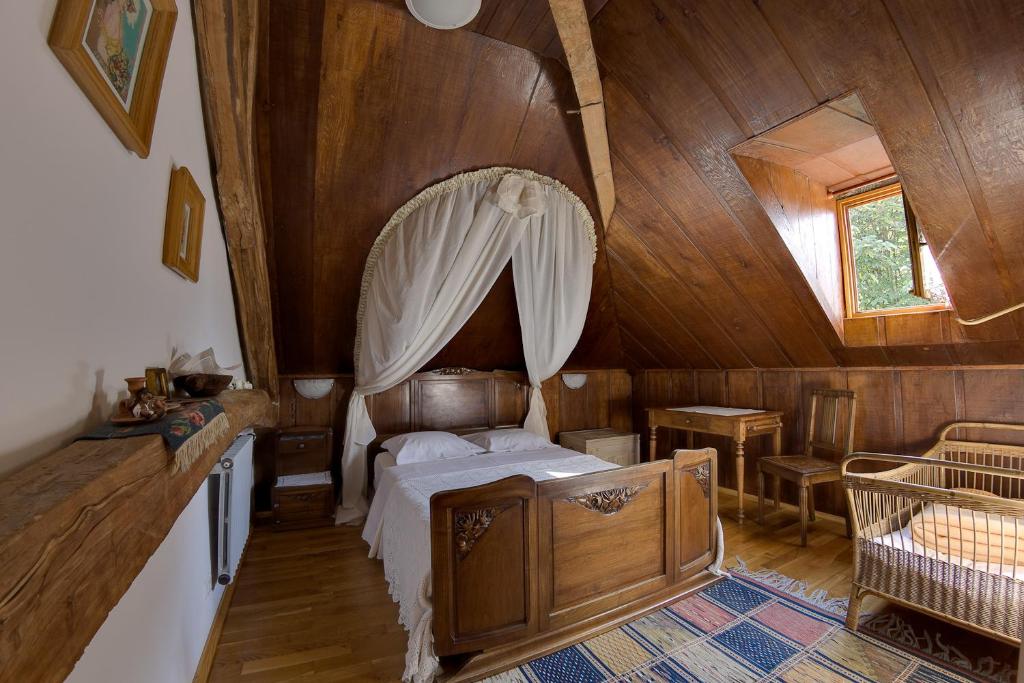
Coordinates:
520	568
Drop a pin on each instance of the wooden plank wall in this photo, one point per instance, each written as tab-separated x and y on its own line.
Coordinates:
899	410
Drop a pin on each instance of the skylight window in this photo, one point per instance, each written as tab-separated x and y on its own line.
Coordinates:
887	264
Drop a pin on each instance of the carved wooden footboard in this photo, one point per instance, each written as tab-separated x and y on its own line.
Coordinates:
524	567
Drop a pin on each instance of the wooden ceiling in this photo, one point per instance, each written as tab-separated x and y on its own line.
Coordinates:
835	145
700	267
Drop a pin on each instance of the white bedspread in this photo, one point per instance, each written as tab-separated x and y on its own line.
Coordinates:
398	528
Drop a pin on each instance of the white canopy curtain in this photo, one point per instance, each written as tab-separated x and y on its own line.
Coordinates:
432	265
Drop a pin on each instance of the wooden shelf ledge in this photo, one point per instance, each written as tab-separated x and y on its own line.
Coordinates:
76	528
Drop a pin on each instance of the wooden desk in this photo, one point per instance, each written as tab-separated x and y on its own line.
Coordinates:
737	427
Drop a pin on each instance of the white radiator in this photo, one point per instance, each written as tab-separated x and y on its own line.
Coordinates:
230	483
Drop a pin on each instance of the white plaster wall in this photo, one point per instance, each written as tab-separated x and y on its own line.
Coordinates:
84	298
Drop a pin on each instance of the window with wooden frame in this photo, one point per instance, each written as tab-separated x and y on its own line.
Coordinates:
887	265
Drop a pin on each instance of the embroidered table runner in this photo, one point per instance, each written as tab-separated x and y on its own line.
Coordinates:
715	410
187	432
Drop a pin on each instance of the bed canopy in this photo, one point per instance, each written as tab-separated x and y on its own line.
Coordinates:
432	265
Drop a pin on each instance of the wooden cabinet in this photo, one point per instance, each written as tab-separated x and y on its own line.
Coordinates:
303	454
620	448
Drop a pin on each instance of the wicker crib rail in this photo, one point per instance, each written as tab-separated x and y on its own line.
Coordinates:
943	533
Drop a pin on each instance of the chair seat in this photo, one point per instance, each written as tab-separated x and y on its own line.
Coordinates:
798	465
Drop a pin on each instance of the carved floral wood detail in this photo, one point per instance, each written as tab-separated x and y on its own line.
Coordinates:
609	501
457	372
470	525
702	473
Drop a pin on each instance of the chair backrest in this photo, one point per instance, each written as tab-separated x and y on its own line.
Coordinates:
830	424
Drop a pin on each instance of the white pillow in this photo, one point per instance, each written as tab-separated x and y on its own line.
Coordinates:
428	446
504	440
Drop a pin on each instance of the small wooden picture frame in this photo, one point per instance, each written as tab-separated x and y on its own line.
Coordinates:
183	228
116	50
157	382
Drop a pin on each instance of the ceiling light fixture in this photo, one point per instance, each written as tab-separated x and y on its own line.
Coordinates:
444	14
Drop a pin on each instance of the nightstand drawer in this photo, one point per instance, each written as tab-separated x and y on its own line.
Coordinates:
302	451
303	506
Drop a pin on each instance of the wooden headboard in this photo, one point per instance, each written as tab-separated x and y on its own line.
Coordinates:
457	400
451	399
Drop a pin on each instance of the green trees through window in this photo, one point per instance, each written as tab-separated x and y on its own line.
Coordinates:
880	247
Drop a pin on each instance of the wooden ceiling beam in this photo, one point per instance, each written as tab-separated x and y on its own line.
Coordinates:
573	25
226	42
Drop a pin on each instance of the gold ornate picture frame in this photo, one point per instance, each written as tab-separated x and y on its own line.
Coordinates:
183	227
116	51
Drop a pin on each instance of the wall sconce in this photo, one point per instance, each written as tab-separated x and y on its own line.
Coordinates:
574	380
313	389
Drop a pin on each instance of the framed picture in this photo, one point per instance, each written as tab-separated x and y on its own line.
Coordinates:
183	228
157	382
116	50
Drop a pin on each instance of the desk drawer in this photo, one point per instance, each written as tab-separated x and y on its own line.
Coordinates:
694	421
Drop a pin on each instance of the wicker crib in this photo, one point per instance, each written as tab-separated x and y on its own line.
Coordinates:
919	543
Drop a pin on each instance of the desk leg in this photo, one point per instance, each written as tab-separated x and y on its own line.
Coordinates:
739	481
653	455
777	441
689	439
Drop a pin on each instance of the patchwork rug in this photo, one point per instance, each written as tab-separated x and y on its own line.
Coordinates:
746	627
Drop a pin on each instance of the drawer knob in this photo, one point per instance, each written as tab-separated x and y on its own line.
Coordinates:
302	445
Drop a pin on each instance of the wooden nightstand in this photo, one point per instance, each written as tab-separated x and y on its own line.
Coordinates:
620	448
303	454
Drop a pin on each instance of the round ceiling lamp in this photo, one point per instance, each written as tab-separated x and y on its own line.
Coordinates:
444	14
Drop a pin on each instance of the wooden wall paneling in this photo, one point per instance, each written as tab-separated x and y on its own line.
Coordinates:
646	238
829	46
620	402
671	334
972	77
598	403
878	409
638	354
993	396
669	183
227	39
736	53
573	411
929	401
295	32
416	109
781	390
805	217
650	332
658	72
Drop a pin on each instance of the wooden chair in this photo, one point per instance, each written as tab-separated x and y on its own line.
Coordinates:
829	428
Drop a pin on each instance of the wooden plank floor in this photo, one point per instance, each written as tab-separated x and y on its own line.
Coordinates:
311	606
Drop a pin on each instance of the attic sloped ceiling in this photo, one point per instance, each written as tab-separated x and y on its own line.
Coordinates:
695	272
685	81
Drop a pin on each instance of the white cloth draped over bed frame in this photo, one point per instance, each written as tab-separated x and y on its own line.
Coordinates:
432	265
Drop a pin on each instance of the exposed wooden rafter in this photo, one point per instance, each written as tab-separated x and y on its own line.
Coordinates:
573	26
226	42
